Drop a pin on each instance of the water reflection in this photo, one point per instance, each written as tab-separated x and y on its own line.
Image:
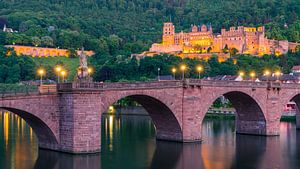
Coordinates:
18	149
129	142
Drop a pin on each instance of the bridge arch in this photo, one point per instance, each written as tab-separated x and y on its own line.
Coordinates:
295	97
250	117
46	137
164	117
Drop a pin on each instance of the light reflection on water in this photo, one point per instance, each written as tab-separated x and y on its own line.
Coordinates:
129	142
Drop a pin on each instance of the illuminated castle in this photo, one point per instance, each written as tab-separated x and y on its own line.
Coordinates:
202	42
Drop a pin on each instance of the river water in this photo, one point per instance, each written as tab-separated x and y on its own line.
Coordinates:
128	142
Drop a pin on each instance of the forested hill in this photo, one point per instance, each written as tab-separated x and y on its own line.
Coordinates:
138	23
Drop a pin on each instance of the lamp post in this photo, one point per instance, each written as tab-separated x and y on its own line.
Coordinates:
63	74
199	70
41	72
158	69
174	72
267	74
58	70
277	74
252	75
90	71
183	67
241	74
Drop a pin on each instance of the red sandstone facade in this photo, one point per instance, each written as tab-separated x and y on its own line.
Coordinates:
43	52
247	40
70	120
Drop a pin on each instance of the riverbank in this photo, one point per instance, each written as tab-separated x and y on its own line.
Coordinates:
140	111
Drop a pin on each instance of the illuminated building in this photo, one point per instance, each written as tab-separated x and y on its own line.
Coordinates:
201	42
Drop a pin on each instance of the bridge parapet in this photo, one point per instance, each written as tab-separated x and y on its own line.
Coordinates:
119	86
20	91
222	83
171	84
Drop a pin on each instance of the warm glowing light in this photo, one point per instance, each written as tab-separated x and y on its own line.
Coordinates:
90	70
174	70
111	125
58	68
267	73
252	74
6	127
111	109
63	73
241	73
277	73
183	67
41	71
199	68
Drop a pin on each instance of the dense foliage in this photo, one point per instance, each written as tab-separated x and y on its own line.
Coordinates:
124	69
114	29
126	26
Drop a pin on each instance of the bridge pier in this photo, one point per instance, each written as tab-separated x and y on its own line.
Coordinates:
80	122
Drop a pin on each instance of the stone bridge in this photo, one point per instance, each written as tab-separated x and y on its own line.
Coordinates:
69	120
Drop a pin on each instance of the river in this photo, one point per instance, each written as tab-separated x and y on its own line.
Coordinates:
128	142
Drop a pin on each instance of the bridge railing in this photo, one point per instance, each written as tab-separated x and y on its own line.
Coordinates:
228	83
22	91
251	84
175	83
27	90
119	85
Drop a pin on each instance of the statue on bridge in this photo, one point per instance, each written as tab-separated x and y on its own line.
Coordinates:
83	70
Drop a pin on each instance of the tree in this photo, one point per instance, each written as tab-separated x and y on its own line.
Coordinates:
209	49
47	41
72	53
233	51
297	48
13	74
36	41
225	49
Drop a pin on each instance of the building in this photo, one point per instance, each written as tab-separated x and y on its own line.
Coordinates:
7	30
202	42
43	52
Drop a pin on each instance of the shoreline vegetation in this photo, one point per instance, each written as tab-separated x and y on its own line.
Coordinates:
140	111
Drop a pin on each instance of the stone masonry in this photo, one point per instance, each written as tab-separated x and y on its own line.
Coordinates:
70	120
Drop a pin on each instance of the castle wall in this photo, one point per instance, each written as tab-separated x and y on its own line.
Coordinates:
43	52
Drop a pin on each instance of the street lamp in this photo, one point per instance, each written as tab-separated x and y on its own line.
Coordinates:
41	72
199	70
58	70
90	71
252	75
267	74
277	74
63	74
183	68
174	72
241	74
158	69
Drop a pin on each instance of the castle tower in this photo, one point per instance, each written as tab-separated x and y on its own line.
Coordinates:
203	28
210	28
168	34
194	28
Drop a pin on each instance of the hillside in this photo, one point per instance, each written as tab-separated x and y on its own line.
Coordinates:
114	29
138	23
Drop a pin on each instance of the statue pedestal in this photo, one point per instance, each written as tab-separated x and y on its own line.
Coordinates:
83	75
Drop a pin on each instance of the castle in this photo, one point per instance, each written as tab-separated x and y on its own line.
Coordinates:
202	42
